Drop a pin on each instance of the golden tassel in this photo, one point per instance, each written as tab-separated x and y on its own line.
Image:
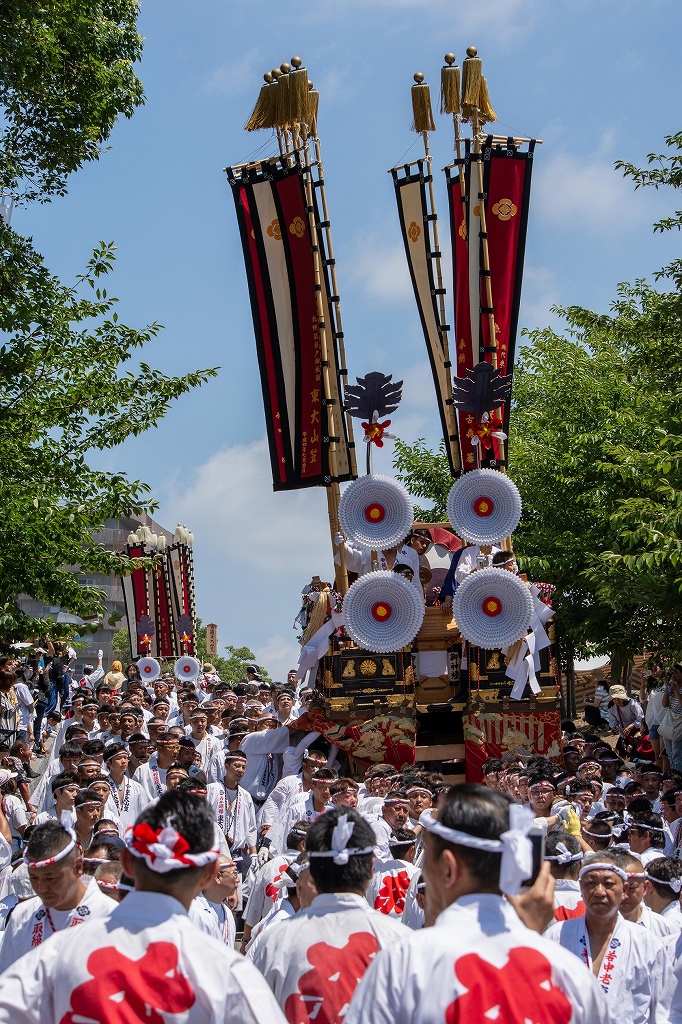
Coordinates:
313	106
298	92
318	616
471	78
282	99
449	86
421	106
485	110
261	116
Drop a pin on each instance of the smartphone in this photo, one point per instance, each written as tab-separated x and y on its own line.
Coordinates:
537	837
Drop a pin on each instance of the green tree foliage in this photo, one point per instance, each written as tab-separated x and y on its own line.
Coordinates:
66	73
67	391
596	450
426	475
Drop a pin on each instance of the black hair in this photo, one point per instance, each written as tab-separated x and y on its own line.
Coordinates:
63	779
192	784
47	840
331	877
649	819
85	796
479	811
667	869
294	837
100	848
113	748
75	730
640	805
189	815
501	557
401	840
93	747
103	821
555	838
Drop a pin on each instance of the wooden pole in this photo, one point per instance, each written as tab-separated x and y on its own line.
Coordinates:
333	413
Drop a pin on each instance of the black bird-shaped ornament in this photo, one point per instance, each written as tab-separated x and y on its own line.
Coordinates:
482	390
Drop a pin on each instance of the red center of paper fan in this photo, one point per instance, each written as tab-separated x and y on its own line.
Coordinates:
147	669
382	611
492	606
484	507
375	513
186	668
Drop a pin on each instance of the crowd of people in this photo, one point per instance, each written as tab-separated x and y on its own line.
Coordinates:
226	866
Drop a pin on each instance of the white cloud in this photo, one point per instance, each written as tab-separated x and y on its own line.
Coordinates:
540	292
587	194
278	655
494	18
381	270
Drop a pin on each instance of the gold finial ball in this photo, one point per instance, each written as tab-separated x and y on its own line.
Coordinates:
471	51
285	68
296	62
450	58
268	77
310	84
276	73
419	78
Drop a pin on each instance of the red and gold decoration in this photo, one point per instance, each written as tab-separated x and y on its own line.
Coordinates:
494	732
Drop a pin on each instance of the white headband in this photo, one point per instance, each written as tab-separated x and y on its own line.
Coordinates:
343	830
563	855
675	883
514	845
604	867
65	817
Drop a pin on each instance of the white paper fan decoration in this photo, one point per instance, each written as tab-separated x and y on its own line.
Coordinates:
382	612
484	506
492	608
375	512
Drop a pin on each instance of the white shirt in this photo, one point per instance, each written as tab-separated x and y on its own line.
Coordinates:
468	561
413	914
31	923
260	777
281	911
478	963
657	924
226	922
186	973
151	778
265	894
314	960
126	810
235	815
387	890
382	833
568	899
633	973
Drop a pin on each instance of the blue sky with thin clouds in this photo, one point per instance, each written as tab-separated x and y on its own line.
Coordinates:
597	81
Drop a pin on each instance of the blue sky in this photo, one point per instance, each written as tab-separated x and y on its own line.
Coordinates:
596	80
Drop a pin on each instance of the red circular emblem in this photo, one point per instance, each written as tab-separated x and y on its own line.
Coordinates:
375	513
186	668
484	507
147	669
382	611
492	606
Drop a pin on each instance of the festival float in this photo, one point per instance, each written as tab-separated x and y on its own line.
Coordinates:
399	672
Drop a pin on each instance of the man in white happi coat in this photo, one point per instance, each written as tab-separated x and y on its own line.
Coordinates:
632	907
146	961
313	962
222	890
565	855
127	799
234	812
387	890
265	891
629	962
309	806
206	745
394	814
662	889
152	775
479	962
63	898
276	807
647	836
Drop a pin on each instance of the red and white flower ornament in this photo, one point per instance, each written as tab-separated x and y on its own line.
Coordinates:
164	849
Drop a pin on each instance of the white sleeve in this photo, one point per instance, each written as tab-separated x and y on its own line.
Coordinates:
378	997
272	741
96	675
466	563
293	756
26	988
